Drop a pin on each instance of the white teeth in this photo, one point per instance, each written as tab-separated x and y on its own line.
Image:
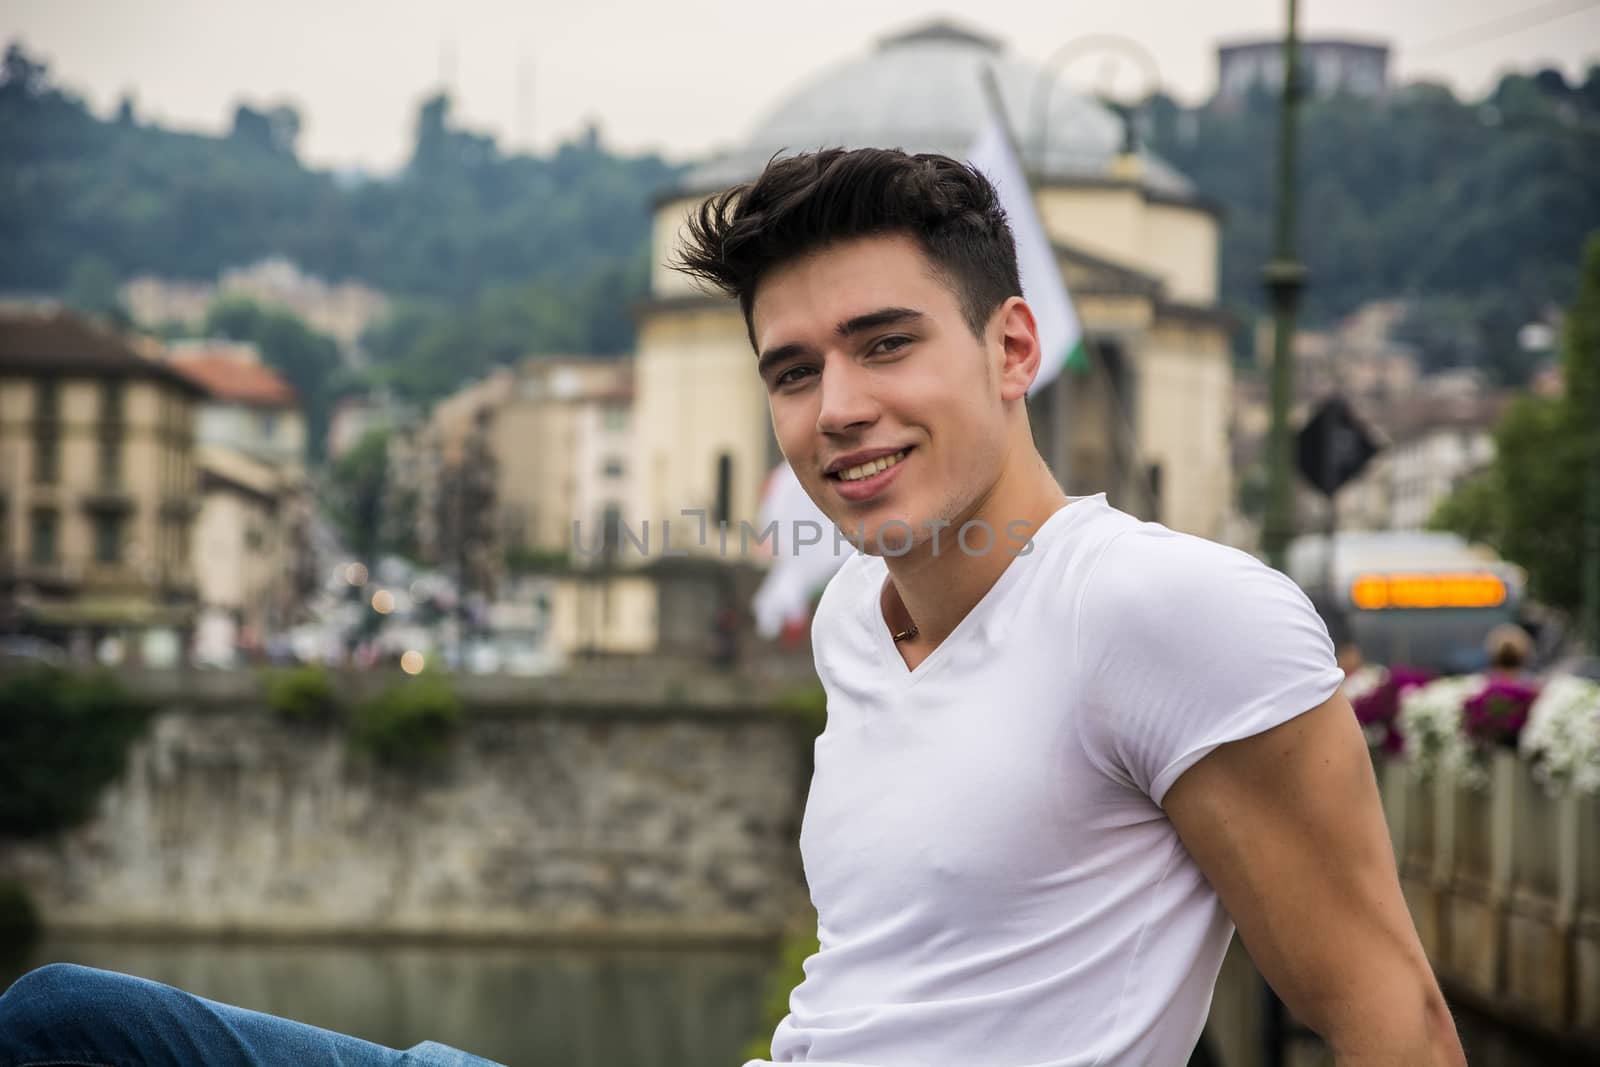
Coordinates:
871	467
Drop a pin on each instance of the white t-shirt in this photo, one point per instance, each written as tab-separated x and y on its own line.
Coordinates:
995	881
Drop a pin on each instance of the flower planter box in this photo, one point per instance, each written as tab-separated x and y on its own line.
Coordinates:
1541	910
1586	924
1480	876
1412	809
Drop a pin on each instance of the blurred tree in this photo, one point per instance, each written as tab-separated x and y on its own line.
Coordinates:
92	289
1527	504
358	483
458	220
1474	211
21	74
308	360
275	130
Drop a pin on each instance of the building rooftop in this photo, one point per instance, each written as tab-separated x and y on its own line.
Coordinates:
230	378
64	345
922	90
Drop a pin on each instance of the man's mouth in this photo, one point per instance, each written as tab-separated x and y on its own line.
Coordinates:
870	467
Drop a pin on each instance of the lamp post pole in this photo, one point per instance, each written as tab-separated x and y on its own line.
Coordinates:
1285	278
1590	596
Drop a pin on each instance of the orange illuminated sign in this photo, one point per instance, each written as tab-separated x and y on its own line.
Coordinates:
1470	589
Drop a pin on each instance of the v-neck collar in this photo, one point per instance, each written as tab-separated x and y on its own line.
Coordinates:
883	637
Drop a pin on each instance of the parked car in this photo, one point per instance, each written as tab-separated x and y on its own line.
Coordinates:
20	650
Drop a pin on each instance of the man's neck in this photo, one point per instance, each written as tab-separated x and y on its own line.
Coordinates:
936	590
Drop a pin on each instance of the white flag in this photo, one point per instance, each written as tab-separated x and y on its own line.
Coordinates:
1060	336
794	580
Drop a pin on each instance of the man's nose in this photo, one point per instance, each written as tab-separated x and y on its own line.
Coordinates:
846	400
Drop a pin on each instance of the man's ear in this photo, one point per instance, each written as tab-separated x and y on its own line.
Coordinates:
1019	348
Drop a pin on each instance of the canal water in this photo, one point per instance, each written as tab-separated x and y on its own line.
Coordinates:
543	1007
539	1007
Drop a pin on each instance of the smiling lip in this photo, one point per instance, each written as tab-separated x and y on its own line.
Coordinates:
855	459
865	489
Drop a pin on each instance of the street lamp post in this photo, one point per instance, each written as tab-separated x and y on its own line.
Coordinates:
1050	73
1285	279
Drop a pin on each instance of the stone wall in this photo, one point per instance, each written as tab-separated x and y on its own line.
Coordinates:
625	821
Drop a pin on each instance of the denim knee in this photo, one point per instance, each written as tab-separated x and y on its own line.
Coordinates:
54	995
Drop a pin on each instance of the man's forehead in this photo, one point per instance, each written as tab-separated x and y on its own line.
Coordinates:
842	281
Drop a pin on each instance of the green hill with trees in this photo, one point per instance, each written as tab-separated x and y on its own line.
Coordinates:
1475	211
546	251
1472	210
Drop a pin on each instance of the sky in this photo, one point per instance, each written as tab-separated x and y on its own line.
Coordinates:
682	77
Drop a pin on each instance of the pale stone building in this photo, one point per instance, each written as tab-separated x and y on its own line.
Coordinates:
1442	437
1332	66
250	408
563	440
561	432
343	310
98	485
242	553
251	454
1136	242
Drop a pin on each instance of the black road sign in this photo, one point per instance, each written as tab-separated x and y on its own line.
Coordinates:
1334	446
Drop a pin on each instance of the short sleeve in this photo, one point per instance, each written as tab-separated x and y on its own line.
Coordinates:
1183	645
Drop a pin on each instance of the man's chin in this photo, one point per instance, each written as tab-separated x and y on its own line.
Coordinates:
889	537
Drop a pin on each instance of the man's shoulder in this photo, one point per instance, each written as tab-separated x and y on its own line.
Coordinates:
1147	578
1142	559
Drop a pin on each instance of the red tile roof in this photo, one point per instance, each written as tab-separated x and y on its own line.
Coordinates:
228	378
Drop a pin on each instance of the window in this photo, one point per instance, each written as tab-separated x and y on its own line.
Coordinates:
267	425
43	547
108	539
724	489
110	461
111	402
46	431
613	468
616	419
46	455
611	528
47	400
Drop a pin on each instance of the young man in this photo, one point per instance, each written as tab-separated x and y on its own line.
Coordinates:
1059	767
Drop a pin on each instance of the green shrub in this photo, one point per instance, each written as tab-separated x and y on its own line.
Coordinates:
808	706
19	918
797	947
411	722
304	694
63	739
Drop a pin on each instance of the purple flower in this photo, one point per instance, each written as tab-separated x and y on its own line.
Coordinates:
1381	706
1497	715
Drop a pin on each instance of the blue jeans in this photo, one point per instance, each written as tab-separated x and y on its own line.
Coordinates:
65	1014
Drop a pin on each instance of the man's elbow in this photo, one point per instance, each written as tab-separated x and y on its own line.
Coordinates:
1444	1043
1412	1028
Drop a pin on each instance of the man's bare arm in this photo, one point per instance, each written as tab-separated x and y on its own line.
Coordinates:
1288	828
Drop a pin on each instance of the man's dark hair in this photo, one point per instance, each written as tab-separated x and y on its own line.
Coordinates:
803	203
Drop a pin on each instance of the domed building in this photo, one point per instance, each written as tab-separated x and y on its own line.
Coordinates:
1136	244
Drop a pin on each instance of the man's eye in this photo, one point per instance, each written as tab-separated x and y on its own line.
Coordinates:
891	344
792	375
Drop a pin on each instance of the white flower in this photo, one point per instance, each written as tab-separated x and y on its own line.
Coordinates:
1562	736
1430	719
1363	681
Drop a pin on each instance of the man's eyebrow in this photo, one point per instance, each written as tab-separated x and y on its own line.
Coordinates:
872	320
